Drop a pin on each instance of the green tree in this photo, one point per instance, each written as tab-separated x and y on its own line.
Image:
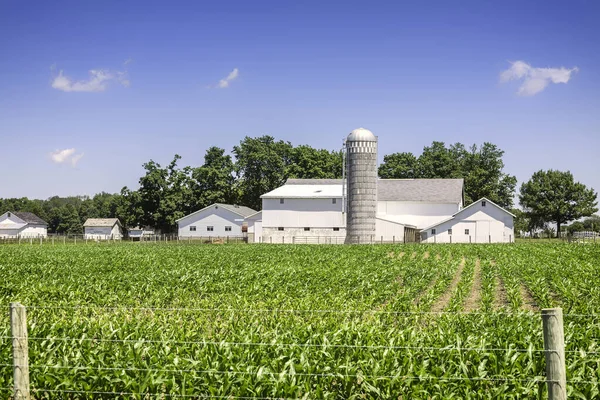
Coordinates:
554	197
214	181
399	166
260	167
481	168
306	162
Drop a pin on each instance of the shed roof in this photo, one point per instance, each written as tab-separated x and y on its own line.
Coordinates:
410	190
30	218
101	222
242	211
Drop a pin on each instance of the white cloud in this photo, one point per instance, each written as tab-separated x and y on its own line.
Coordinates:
75	159
65	156
534	80
223	83
97	82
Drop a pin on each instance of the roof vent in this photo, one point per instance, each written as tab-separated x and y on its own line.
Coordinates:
318	191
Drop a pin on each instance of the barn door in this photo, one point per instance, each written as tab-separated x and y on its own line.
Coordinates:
483	231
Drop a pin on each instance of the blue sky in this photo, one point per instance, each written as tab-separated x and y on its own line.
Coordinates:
307	72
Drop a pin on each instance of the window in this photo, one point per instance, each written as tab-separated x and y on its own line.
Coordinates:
281	201
227	229
449	231
333	201
192	228
8	215
433	231
483	203
210	228
280	228
336	229
466	231
306	229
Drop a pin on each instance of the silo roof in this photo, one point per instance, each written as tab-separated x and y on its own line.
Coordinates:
361	135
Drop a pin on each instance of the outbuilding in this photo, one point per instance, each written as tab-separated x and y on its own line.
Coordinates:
481	222
22	225
215	221
102	229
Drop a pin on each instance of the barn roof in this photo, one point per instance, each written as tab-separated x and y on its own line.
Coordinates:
242	211
30	218
410	190
426	190
101	222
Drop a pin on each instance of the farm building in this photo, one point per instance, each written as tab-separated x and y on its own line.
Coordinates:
102	229
216	220
481	222
303	210
138	233
364	209
23	225
254	222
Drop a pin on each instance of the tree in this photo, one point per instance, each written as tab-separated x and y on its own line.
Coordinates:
481	168
306	162
260	167
554	196
214	181
399	166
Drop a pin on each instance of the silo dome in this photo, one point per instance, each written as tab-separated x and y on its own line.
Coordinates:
361	135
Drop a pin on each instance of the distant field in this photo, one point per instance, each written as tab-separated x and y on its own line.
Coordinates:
285	321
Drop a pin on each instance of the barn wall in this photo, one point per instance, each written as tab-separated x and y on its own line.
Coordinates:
485	224
35	231
300	213
116	232
391	231
299	235
420	214
215	216
97	232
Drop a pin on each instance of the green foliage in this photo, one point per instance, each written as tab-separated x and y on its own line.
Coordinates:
213	301
482	169
554	196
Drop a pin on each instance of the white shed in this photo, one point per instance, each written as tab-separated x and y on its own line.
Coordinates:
254	227
22	224
481	222
102	229
217	220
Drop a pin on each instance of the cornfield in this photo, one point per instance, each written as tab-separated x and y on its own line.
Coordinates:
299	321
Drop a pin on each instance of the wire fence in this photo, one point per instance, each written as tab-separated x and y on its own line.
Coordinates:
258	371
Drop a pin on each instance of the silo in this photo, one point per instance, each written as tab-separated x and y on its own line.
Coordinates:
361	177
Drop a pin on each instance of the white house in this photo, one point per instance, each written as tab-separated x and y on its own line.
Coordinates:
102	229
216	220
22	224
481	222
304	209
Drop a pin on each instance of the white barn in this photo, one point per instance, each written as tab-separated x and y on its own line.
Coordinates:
102	229
216	220
481	222
408	210
311	210
22	225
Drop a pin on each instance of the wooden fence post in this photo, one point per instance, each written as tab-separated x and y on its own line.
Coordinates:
554	347
18	329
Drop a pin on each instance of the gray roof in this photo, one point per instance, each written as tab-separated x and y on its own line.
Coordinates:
426	190
102	222
30	218
240	210
313	182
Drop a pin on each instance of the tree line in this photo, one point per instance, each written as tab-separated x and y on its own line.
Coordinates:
261	164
